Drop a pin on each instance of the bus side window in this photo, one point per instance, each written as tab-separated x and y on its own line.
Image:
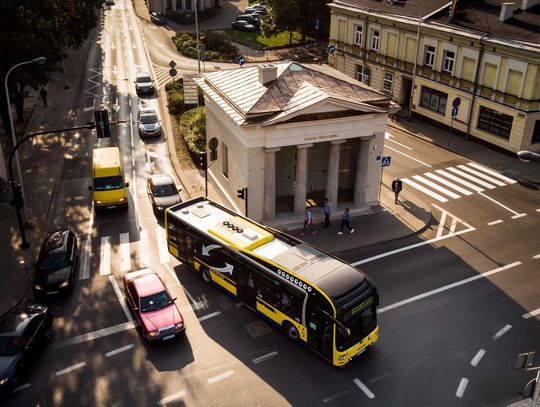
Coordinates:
267	290
291	302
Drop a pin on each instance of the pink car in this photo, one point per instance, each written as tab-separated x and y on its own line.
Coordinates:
153	306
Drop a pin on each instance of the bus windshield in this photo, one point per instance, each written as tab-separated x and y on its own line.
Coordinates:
359	324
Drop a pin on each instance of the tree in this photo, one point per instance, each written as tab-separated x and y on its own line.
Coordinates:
39	28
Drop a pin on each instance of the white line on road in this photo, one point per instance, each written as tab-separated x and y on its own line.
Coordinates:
536	256
462	386
105	256
125	255
482	175
264	357
364	388
389	137
470	177
437	187
85	263
531	314
119	350
335	396
459	180
479	355
426	191
502	331
498	203
447	287
448	183
71	368
408	156
163	248
519	216
208	316
441	225
120	297
21	387
219	377
495	222
495	174
90	336
143	248
172	397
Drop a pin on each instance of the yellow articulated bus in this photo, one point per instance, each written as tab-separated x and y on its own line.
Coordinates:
109	189
317	299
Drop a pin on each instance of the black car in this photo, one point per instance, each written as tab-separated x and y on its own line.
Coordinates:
157	18
23	332
56	265
243	26
250	19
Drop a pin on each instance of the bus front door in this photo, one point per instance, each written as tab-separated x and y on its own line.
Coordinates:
320	333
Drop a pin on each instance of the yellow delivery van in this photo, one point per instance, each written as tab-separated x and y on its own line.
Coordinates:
109	189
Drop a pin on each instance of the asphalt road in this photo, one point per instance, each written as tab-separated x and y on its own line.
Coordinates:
454	301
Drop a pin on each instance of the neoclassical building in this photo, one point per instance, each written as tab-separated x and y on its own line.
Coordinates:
182	6
473	66
293	134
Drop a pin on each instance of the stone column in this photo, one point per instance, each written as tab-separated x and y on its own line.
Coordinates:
360	183
301	178
332	177
269	199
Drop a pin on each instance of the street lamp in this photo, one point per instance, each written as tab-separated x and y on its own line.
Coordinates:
198	40
415	63
40	60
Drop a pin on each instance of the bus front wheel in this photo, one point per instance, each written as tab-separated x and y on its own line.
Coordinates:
206	275
291	331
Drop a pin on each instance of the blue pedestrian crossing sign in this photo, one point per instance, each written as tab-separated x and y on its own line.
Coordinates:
240	60
385	162
454	112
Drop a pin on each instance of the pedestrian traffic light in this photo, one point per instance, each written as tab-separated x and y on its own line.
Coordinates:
103	127
241	193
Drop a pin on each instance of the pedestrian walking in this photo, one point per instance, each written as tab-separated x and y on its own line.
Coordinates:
308	222
346	222
327	208
43	94
396	188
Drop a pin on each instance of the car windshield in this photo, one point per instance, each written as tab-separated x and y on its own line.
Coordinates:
143	79
10	345
108	183
54	261
155	301
148	118
164	190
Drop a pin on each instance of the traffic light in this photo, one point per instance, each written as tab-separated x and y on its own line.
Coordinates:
103	128
241	193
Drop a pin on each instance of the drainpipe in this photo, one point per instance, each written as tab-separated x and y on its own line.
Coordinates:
475	85
415	64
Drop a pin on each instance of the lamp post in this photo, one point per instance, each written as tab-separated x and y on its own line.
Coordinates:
40	60
415	64
198	40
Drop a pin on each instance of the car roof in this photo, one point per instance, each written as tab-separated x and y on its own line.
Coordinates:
147	111
161	179
143	75
54	243
15	321
146	282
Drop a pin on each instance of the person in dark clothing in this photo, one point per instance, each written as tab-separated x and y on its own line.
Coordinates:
43	94
346	222
327	208
396	188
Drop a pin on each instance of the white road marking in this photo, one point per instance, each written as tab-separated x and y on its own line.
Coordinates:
172	397
538	210
105	256
264	357
470	177
125	255
389	137
502	331
498	203
70	369
532	313
441	225
162	245
335	396
90	336
208	316
120	297
482	175
364	388
447	183
426	191
143	248
408	156
495	222
520	215
21	387
453	226
479	355
85	263
459	180
536	256
436	187
494	173
462	386
119	350
219	377
447	287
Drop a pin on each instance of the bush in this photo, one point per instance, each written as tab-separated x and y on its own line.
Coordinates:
193	127
217	48
176	102
175	86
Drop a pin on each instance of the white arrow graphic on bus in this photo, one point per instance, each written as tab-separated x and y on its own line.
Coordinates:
206	249
227	269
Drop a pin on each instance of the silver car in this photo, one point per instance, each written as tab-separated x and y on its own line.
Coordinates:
162	192
144	84
149	124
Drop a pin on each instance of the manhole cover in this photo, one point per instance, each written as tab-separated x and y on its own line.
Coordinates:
258	328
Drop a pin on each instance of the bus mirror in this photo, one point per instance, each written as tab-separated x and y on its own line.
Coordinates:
127	184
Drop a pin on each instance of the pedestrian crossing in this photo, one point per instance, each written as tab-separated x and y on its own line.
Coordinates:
457	181
123	253
162	75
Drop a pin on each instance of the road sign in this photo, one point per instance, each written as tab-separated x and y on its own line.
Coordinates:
240	60
173	72
331	49
172	64
454	112
385	162
212	145
456	102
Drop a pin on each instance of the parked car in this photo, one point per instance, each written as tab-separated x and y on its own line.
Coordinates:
153	306
255	7
56	266
157	18
23	332
250	19
148	123
243	26
109	2
162	192
144	84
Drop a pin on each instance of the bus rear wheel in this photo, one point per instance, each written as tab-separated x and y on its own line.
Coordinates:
206	274
291	331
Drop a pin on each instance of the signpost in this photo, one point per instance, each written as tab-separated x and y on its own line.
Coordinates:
240	60
385	162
